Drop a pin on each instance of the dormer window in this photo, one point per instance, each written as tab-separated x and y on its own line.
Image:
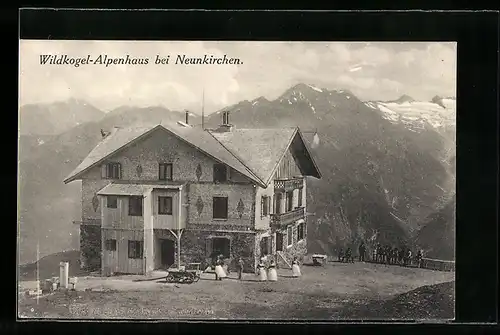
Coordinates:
220	173
111	171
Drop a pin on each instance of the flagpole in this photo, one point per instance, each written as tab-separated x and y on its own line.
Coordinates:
203	110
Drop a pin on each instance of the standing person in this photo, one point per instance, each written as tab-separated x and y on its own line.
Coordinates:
348	256
271	270
219	268
408	257
362	250
379	253
420	256
295	268
341	255
240	266
261	270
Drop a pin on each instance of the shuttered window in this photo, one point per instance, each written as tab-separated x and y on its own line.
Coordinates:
220	207
165	205
135	206
112	201
110	245
220	173
134	249
290	235
289	201
265	205
301	231
111	171
165	171
277	203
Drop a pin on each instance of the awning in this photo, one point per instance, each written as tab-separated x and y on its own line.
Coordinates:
132	189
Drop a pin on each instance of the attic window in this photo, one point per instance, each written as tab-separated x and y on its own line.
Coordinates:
111	171
220	173
165	170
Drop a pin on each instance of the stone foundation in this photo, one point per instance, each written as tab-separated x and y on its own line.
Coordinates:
90	247
194	248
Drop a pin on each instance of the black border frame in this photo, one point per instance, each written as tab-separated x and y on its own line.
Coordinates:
477	34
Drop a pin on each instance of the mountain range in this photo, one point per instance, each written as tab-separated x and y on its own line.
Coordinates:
383	179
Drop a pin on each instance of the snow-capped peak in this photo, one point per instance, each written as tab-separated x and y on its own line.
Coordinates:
315	88
415	115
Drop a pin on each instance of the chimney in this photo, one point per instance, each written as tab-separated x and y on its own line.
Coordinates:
225	126
187	117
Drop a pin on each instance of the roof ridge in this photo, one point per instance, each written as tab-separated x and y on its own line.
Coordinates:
296	129
238	158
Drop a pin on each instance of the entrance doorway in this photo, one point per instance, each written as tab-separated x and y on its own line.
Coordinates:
167	253
265	246
279	241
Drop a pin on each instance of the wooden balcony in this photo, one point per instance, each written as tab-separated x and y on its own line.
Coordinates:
284	185
284	219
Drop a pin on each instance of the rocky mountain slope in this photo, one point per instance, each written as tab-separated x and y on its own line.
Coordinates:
55	118
437	236
381	180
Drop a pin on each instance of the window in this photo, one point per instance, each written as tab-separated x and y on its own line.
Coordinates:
220	207
165	205
221	246
112	201
265	204
301	231
290	235
289	201
165	170
134	249
135	206
299	202
111	171
220	173
110	245
277	205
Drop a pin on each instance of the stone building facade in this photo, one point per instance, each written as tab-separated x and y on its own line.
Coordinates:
159	196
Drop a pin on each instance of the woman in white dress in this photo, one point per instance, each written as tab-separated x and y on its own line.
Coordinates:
295	268
219	270
272	274
261	271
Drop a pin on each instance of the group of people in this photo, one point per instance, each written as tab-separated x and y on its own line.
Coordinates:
269	273
264	272
384	254
397	256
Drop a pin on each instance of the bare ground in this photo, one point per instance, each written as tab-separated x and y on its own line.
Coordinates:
337	291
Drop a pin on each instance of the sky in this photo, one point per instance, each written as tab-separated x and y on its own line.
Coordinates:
371	70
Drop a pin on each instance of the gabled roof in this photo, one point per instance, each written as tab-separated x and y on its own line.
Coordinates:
255	153
123	138
259	149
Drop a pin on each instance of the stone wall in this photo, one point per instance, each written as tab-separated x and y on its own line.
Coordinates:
241	205
194	244
90	247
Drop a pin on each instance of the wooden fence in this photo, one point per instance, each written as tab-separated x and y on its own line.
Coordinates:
438	264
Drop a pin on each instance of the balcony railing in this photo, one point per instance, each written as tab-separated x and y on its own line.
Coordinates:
283	219
288	184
